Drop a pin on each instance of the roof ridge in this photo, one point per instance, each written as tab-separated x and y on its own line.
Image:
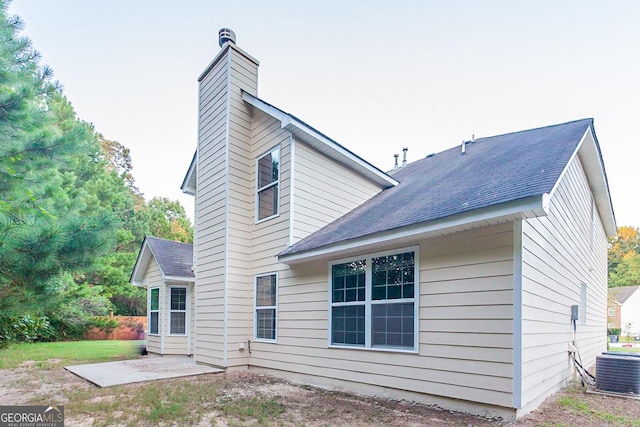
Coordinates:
457	147
590	119
166	240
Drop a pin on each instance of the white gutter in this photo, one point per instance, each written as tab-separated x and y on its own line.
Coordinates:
530	207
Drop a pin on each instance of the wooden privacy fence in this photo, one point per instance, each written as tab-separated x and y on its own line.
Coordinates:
128	328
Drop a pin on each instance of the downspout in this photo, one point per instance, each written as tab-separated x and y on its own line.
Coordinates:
517	315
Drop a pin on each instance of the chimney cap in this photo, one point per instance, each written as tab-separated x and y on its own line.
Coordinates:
226	35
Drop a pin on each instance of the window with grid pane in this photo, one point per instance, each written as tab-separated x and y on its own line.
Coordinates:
373	301
268	171
154	304
178	304
266	306
348	296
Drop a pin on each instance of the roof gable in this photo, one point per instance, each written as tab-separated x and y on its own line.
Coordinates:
175	259
623	293
492	171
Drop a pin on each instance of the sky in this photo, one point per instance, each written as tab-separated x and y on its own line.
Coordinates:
375	76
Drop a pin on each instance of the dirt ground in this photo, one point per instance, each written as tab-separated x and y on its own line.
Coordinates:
301	405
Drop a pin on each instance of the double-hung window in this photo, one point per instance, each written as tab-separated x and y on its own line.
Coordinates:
178	325
266	306
268	183
154	305
374	301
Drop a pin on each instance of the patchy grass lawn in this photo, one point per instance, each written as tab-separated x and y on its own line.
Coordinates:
625	349
250	399
67	352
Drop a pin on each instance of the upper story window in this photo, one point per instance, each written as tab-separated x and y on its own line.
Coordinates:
267	197
374	301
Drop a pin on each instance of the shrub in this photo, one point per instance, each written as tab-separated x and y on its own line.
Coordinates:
25	328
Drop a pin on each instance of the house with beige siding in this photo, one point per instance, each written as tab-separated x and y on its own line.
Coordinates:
448	280
164	268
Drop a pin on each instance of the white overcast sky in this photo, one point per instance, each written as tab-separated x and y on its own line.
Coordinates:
373	75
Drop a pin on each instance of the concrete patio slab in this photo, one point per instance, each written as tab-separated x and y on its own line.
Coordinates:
149	368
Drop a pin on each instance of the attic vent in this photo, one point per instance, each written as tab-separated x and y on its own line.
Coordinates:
618	373
226	35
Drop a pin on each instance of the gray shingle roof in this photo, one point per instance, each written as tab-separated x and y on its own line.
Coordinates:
493	170
174	258
622	293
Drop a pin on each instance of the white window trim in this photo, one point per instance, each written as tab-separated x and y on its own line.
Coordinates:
185	311
584	296
368	302
271	184
157	334
264	307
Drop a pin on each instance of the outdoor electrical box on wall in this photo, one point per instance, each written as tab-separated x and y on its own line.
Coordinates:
574	313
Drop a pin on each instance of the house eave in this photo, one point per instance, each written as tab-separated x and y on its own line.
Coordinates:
530	207
590	156
187	279
320	142
189	182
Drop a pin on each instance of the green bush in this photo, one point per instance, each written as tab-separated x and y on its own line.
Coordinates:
614	331
26	328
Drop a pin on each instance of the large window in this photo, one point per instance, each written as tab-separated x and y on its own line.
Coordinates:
266	307
373	301
268	170
178	304
154	305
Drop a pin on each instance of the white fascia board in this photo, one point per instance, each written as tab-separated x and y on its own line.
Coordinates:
143	259
308	134
264	107
189	182
530	207
596	174
296	127
178	279
591	160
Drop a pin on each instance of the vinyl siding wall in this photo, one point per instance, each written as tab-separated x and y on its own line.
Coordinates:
153	278
465	339
223	213
557	257
241	190
324	191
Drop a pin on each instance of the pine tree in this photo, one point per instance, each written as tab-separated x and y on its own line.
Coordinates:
48	221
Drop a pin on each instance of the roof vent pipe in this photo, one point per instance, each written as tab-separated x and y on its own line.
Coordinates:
395	163
463	147
226	35
404	156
